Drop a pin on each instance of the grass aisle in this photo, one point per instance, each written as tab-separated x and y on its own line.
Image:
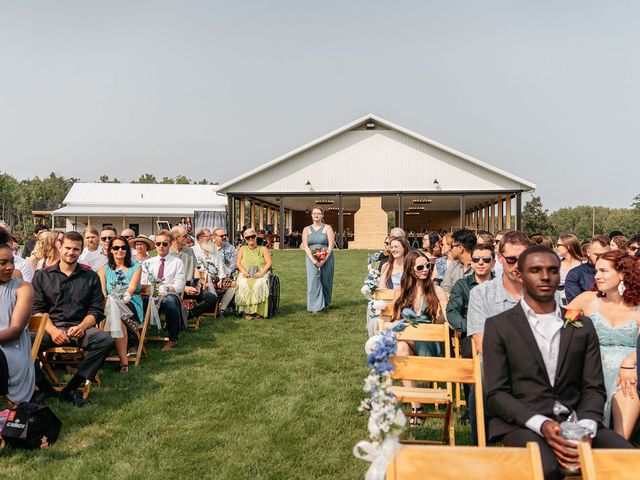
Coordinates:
238	399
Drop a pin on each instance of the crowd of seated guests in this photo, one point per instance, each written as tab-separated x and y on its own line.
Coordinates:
77	275
494	281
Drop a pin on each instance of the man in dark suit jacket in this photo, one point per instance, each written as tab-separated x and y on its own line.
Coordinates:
538	368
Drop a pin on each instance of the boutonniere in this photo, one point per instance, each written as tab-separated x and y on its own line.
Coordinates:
571	318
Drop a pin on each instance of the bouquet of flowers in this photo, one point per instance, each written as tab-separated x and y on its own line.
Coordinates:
319	255
156	297
207	265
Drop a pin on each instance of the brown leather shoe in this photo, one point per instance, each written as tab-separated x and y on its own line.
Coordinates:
170	345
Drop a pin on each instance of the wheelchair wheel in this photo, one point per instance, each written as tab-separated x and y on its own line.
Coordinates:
274	295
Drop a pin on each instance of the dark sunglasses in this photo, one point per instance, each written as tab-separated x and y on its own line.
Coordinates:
386	243
560	245
162	244
420	268
484	259
115	248
249	237
510	260
633	249
224	235
106	239
128	237
456	245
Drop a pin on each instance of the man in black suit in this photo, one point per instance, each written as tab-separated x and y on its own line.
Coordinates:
538	369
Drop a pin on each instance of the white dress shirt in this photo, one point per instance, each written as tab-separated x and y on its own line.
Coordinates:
95	259
173	272
25	268
546	329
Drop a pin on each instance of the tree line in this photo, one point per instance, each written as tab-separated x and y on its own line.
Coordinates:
19	198
583	220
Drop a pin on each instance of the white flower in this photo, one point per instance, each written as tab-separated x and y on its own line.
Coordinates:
371	345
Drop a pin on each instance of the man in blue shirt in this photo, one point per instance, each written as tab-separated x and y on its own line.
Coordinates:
581	278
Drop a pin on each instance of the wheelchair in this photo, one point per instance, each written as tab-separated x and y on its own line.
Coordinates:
274	294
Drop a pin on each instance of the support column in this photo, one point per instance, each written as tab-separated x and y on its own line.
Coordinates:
500	213
508	212
269	215
252	212
88	221
492	217
463	223
281	223
401	210
231	220
243	214
261	222
341	241
519	211
124	223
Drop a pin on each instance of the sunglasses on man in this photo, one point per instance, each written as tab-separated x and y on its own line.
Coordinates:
484	259
511	260
107	239
162	244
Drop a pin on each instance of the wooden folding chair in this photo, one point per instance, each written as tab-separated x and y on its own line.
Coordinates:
389	297
37	326
608	464
457	353
65	357
437	369
435	395
146	292
416	462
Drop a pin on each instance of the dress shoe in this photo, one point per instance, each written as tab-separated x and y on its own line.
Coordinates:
170	345
72	397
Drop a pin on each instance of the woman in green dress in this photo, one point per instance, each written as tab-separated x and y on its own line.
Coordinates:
253	262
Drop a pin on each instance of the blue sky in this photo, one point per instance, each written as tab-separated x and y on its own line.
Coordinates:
544	90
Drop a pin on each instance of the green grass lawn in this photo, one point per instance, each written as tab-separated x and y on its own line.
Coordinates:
239	399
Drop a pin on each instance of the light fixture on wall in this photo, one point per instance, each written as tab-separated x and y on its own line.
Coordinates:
325	201
435	181
412	213
415	208
308	184
333	209
422	200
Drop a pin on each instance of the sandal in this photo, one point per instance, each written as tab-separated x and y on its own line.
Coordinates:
123	369
248	316
416	421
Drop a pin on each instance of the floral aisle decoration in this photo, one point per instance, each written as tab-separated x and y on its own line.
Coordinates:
207	265
386	419
368	289
116	309
157	291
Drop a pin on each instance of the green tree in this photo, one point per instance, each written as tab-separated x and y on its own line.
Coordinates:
106	179
182	180
535	218
636	202
167	180
8	195
579	220
147	178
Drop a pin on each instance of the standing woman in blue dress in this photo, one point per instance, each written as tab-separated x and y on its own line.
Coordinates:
317	242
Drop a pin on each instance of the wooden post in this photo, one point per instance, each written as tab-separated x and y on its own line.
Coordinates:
261	211
500	212
401	210
492	217
231	219
252	212
242	214
281	223
124	223
88	221
463	223
269	215
508	212
519	211
341	241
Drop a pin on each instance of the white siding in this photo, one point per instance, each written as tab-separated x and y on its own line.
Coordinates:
361	161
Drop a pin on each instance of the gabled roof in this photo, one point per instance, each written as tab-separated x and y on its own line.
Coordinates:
526	185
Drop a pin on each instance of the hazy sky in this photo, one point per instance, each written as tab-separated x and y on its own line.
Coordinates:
545	90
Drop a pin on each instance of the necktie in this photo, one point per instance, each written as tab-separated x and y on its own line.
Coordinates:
161	269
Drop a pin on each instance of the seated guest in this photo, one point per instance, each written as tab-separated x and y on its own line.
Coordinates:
568	249
128	234
202	247
17	377
544	240
253	262
91	254
30	243
22	268
418	293
391	272
537	372
72	296
634	245
484	236
170	270
140	246
46	252
496	247
613	309
482	262
619	242
581	278
225	256
107	234
119	260
500	294
205	300
462	242
383	257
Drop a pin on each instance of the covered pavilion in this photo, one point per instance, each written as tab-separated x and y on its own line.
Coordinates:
371	175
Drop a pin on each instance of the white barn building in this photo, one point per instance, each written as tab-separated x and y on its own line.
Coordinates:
138	206
370	175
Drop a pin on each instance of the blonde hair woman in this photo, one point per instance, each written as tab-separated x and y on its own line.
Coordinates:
47	250
253	262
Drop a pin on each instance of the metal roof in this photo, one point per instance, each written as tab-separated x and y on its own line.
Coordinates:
442	161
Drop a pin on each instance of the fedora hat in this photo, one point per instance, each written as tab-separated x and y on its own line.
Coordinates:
142	238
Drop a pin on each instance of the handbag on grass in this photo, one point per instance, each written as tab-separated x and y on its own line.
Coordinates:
31	425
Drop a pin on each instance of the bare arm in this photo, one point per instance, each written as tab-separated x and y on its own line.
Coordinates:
20	314
382	283
103	281
305	245
442	299
135	281
331	237
241	269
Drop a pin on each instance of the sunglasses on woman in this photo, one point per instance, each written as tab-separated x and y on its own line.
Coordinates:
116	248
484	259
249	237
420	268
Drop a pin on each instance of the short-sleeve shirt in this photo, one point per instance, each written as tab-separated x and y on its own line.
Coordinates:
189	261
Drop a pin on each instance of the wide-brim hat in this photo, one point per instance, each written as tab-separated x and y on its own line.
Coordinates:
142	238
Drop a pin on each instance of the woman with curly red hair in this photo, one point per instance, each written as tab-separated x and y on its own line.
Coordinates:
614	308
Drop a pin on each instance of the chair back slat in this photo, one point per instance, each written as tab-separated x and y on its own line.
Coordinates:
606	464
37	325
434	369
415	462
425	332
